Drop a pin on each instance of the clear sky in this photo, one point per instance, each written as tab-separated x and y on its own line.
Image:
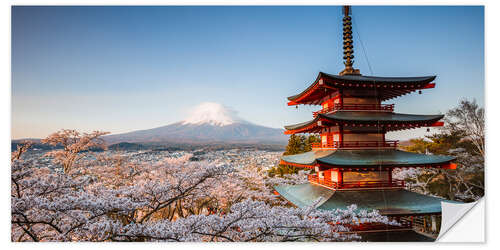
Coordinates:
120	69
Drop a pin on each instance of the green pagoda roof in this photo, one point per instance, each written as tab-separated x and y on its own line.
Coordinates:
388	201
368	117
366	158
308	158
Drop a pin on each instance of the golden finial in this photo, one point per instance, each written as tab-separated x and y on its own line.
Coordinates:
348	44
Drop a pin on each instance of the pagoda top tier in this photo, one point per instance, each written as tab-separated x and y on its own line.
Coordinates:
384	88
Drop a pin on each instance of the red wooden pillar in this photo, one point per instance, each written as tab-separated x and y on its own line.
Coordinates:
341	94
390	177
341	135
340	178
328	175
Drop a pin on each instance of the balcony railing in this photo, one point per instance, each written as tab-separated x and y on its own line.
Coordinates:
355	184
356	107
356	144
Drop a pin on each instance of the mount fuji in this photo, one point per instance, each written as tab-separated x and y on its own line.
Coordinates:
208	123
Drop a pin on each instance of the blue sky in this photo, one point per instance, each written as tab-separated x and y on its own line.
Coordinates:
119	69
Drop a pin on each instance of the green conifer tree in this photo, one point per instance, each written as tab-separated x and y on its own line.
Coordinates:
297	144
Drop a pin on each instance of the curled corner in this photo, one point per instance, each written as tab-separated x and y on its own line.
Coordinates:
452	213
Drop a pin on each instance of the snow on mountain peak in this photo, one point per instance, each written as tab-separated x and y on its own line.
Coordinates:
212	113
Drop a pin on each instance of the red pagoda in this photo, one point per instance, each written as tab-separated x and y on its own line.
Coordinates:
353	163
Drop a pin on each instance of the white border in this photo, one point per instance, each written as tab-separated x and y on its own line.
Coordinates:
492	13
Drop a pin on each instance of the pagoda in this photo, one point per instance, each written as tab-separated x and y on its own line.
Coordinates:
353	163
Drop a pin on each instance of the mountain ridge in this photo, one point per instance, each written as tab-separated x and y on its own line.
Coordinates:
180	132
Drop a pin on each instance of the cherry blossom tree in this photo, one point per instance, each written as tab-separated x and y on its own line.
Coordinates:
48	205
462	137
247	221
73	142
468	118
111	198
21	149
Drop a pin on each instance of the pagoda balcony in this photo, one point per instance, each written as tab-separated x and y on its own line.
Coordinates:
356	107
355	145
313	179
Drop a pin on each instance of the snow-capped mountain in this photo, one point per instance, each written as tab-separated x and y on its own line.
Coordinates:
207	123
212	113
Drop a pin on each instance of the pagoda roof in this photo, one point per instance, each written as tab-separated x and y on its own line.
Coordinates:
391	202
379	79
389	87
363	158
307	158
364	117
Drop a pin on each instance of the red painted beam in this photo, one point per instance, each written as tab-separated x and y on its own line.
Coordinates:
437	124
292	103
450	166
429	86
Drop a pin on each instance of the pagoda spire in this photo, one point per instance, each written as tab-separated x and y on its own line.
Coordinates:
348	44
